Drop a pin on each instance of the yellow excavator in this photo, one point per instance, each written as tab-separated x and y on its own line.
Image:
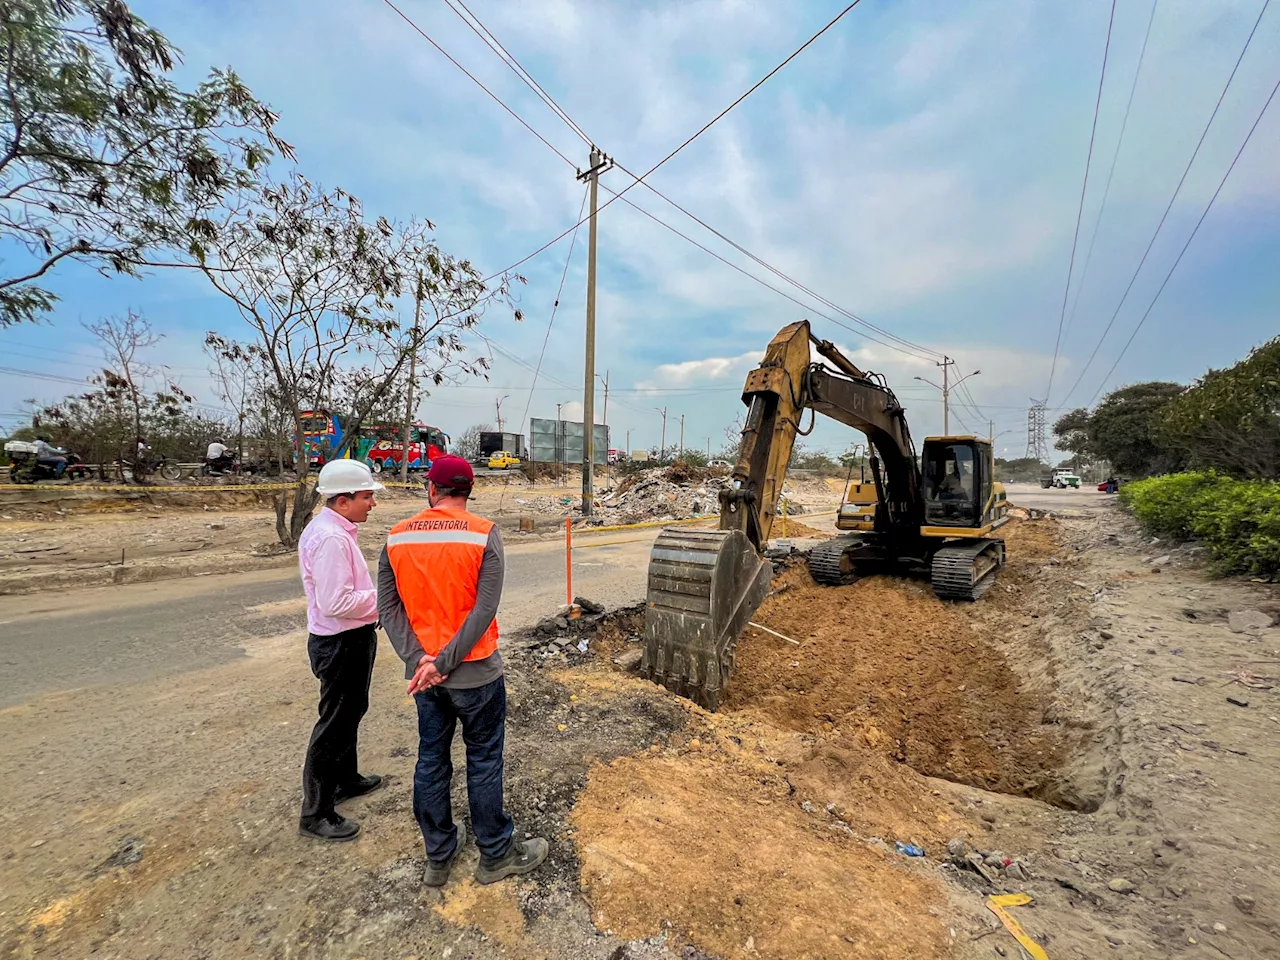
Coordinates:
935	513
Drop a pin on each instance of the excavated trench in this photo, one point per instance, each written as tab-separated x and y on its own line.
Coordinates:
885	665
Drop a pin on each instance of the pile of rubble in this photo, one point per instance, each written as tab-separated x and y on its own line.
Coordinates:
991	865
568	629
654	495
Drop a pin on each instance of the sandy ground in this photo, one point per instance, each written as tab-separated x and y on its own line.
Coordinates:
1076	719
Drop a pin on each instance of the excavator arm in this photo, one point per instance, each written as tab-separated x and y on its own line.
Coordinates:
704	586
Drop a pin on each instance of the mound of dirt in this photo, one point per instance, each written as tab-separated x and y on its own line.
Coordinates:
910	676
795	528
724	858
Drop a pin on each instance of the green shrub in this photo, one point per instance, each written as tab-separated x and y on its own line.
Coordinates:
1238	520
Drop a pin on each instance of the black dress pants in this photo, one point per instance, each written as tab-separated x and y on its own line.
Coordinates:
343	663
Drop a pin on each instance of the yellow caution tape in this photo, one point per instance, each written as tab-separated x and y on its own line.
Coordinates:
997	904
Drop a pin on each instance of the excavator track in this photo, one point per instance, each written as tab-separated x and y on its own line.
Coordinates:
965	571
704	586
829	563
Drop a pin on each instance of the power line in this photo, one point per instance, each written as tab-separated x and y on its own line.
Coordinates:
36	375
494	44
1164	216
1106	192
1084	187
495	99
751	276
703	129
554	307
928	351
1195	229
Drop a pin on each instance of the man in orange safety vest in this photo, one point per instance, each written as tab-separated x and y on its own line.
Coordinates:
439	583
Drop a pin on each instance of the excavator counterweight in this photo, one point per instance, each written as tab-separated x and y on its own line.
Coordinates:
705	585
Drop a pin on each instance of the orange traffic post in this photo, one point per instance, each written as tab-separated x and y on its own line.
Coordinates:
568	561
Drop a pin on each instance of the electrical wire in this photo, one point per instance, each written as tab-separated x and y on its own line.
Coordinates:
1084	188
519	119
554	307
1164	216
701	130
1106	192
1195	229
925	353
494	44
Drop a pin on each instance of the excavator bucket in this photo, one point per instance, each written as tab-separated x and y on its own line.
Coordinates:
704	586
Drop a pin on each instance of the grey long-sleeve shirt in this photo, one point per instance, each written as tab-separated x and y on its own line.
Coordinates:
462	674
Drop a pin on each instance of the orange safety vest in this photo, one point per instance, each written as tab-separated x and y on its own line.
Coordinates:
436	556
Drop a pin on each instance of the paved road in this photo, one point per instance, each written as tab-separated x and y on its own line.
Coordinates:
1085	500
121	635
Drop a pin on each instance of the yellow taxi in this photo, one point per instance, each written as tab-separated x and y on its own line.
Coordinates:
502	460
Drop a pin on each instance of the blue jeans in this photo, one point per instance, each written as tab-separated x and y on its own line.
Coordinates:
483	712
58	464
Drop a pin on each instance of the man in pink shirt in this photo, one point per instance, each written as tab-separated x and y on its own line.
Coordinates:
342	612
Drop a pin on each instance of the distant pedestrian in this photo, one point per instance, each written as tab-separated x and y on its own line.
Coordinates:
342	611
439	583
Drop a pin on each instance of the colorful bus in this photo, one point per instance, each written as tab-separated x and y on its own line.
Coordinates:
381	445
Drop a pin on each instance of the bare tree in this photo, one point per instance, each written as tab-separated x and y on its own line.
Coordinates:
122	339
237	379
321	290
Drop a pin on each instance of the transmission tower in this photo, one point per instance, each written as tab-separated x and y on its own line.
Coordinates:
1036	445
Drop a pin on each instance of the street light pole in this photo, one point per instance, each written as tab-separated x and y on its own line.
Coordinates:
946	387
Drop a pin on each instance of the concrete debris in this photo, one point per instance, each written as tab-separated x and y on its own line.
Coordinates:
629	660
1241	621
567	628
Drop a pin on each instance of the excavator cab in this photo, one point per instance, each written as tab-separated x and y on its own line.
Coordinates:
957	481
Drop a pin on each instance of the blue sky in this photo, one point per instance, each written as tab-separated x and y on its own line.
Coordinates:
920	165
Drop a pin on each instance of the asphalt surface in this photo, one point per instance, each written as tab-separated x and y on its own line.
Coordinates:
139	632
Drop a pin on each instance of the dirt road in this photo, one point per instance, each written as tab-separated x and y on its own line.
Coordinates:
1075	721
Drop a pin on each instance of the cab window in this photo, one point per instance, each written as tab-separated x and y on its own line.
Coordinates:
951	483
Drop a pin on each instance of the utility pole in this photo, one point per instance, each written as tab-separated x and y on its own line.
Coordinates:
662	446
708	449
628	450
946	397
498	404
592	176
681	453
413	371
946	388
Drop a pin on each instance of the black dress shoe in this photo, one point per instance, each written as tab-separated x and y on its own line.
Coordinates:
336	828
358	788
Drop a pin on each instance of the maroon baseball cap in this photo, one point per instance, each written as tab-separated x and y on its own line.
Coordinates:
451	471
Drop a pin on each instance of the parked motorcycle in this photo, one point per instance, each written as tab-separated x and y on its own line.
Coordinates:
25	466
167	467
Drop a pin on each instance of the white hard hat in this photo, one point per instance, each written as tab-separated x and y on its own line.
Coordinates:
345	476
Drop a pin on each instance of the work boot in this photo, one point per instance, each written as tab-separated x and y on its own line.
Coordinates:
358	788
437	872
521	857
336	828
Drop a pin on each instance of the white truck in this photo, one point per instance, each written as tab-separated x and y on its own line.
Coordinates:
1060	479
